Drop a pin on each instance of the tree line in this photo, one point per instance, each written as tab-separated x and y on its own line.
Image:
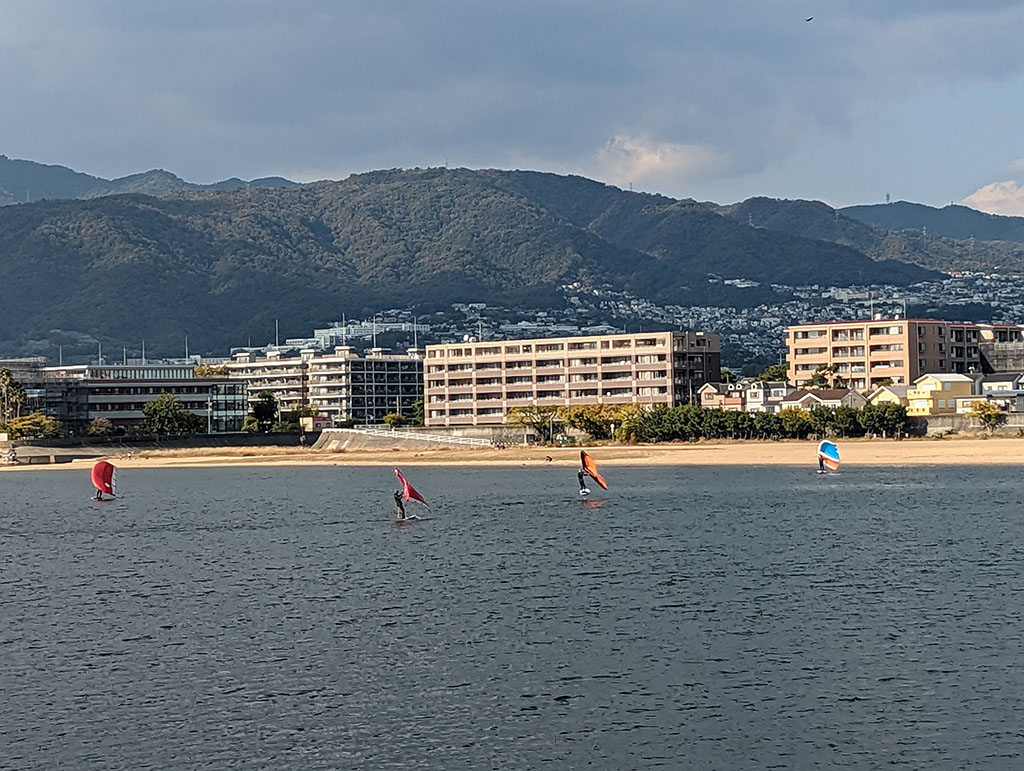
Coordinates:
690	422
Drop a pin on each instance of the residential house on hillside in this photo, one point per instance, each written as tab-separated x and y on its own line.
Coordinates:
937	394
889	394
826	397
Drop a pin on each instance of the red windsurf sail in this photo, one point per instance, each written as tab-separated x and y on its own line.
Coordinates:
590	467
103	477
408	491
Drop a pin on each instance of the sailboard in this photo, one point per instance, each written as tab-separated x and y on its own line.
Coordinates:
590	469
103	478
409	492
828	454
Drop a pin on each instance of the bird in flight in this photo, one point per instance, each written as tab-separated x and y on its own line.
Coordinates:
809	18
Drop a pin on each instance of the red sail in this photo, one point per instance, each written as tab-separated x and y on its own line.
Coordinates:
591	468
408	491
103	477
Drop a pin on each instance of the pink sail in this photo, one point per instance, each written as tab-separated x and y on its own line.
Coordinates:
408	491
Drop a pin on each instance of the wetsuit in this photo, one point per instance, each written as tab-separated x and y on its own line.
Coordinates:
399	505
821	463
580	477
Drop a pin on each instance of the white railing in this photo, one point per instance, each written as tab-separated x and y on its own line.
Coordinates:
395	433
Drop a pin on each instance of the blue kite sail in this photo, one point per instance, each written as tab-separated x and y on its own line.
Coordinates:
828	454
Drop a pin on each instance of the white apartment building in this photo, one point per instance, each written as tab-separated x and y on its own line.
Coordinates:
341	385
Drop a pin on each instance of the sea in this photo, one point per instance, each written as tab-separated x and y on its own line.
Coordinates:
688	618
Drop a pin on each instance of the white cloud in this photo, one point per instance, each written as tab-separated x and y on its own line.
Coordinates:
998	198
627	159
1016	167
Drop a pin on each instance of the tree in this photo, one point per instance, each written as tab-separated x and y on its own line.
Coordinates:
795	422
775	373
821	419
988	415
767	425
12	396
395	420
36	425
543	420
211	370
596	420
167	415
886	419
825	377
250	424
726	375
264	409
844	421
417	412
100	427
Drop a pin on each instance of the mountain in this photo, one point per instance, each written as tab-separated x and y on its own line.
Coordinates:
222	265
27	181
813	219
953	221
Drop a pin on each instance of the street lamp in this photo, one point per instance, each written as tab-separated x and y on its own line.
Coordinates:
209	415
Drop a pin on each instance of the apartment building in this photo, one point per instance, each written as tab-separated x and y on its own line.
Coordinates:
341	385
477	383
866	354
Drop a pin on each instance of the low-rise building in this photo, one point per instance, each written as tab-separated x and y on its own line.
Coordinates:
77	395
477	383
937	394
744	396
889	394
826	397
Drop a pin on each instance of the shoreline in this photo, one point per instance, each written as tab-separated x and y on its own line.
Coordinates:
855	452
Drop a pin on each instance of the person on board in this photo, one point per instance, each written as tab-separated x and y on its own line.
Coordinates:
99	495
399	505
581	478
821	464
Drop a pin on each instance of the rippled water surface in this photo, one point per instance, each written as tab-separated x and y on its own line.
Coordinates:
698	618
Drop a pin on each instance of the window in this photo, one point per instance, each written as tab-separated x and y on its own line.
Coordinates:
546	347
511	349
489	351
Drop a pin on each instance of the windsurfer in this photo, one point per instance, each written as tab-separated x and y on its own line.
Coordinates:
580	477
821	463
399	505
99	495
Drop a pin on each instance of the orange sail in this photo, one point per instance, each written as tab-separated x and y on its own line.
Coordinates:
590	467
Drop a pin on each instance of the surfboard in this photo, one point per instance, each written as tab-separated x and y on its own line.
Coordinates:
584	491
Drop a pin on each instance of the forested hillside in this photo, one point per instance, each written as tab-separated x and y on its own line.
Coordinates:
220	266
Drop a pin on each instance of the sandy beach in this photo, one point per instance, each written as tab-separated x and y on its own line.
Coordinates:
909	452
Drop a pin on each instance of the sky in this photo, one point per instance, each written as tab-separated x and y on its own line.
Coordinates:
714	100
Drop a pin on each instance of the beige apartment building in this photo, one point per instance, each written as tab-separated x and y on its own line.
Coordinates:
867	353
477	383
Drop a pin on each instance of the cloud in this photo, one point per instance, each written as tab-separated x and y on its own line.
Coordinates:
1016	167
998	198
628	159
667	94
